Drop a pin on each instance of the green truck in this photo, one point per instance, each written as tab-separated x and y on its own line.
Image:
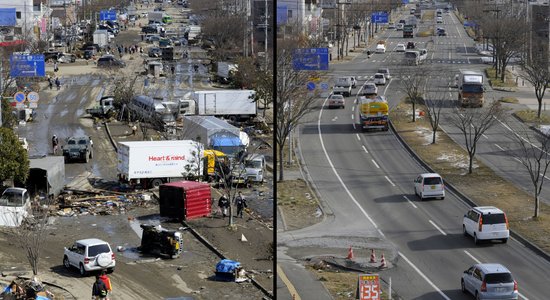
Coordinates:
408	30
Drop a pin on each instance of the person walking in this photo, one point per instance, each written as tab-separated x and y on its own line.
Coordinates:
55	67
99	289
57	83
55	142
223	204
107	282
240	201
50	82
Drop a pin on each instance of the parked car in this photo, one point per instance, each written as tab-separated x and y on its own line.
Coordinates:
369	88
400	48
153	38
489	281
336	101
109	61
66	58
154	52
486	223
429	185
441	32
391	25
89	255
379	79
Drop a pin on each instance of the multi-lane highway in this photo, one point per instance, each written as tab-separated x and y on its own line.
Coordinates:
366	182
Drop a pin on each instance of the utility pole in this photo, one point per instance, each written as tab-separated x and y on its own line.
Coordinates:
265	35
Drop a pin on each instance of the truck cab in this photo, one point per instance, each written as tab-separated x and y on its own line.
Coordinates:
255	166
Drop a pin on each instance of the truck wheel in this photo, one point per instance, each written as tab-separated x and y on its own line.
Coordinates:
156	183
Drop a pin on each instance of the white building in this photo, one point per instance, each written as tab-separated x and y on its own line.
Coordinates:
24	17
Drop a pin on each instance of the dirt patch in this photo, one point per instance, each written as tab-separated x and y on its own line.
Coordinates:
530	116
483	187
497	82
298	205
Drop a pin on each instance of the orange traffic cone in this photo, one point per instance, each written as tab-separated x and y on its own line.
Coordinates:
350	253
383	262
372	256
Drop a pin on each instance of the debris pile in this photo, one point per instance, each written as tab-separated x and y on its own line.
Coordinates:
21	288
76	202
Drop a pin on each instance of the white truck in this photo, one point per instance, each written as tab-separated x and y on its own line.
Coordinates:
343	86
155	16
415	57
231	104
152	163
101	37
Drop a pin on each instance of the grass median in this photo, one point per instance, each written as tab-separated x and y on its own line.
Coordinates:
484	186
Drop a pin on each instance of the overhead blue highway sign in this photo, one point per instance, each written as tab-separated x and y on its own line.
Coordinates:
27	65
310	59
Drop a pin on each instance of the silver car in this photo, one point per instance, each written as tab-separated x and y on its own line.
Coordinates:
489	281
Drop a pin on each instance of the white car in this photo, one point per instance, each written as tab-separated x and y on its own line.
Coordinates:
369	88
379	79
89	255
429	185
486	223
336	101
400	48
439	20
380	48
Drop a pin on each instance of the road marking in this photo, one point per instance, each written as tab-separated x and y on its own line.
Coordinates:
471	256
389	181
483	135
334	119
544	176
352	117
358	136
410	202
517	159
334	169
353	108
381	233
499	147
424	276
365	149
374	162
353	125
288	284
437	227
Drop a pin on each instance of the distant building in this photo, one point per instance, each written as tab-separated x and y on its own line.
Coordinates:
17	20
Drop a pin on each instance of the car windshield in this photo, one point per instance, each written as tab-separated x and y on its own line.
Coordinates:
12	199
494	219
432	180
82	142
498	278
72	142
255	164
98	249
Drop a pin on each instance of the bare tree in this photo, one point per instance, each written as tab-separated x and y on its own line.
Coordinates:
537	73
413	83
533	154
434	102
293	102
473	123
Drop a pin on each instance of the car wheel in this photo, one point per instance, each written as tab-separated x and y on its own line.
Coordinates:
462	286
504	241
476	240
66	262
464	230
82	270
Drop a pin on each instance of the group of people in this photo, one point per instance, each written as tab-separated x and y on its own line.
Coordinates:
127	50
52	81
240	202
101	287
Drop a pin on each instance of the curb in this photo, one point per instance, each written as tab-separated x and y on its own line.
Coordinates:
467	200
222	256
110	136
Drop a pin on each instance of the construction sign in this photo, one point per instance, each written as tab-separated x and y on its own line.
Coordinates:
368	287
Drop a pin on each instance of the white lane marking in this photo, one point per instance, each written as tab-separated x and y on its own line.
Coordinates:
544	176
352	117
483	135
499	147
437	227
424	276
472	257
517	159
388	179
374	162
353	108
365	149
381	233
410	202
334	169
358	137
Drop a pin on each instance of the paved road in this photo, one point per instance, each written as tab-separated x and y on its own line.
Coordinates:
372	173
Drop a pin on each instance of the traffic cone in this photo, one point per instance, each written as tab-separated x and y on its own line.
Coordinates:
372	256
383	262
350	253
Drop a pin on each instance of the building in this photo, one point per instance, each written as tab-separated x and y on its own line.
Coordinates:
17	21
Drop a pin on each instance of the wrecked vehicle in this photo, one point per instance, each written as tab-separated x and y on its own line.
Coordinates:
15	205
160	241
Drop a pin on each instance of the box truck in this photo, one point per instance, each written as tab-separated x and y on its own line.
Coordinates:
185	200
152	163
101	37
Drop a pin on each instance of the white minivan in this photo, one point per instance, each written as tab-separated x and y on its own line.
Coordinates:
429	185
486	223
15	205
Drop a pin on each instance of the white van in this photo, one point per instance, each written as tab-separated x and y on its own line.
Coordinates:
429	185
486	223
15	204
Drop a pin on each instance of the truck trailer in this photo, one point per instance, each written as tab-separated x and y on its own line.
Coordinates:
373	113
208	129
470	89
231	104
152	163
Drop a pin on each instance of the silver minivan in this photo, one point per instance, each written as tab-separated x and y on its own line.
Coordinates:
429	185
489	281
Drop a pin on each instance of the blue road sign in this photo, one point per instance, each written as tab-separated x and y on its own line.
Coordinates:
33	97
311	86
310	59
379	17
19	97
324	86
470	24
405	1
107	15
27	65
